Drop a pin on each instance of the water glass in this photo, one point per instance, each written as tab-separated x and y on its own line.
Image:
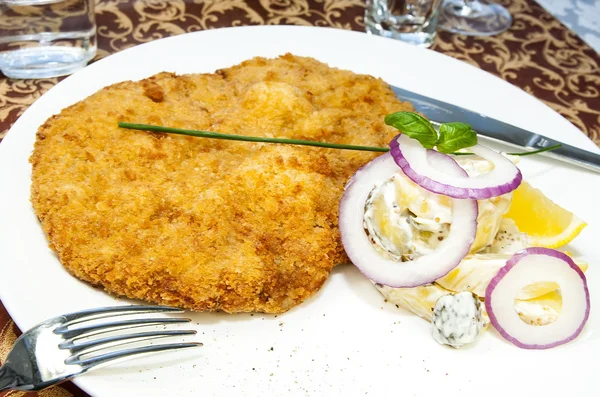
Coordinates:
46	38
413	21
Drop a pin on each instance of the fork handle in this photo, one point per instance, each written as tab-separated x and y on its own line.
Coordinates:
8	380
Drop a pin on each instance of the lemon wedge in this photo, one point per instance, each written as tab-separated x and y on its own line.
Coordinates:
544	222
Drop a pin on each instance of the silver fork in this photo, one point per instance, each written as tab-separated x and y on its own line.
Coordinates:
64	346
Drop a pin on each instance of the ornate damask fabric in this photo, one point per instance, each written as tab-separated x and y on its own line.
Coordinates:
538	54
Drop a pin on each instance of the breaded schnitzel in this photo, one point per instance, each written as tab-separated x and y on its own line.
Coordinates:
200	223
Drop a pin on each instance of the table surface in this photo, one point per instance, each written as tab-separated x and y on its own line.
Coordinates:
581	16
538	54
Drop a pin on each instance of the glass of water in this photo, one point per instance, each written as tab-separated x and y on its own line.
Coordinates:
46	38
474	17
413	21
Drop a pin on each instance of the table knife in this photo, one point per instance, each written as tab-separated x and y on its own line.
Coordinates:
499	131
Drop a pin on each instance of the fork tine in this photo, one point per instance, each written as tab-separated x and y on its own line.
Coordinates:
88	363
115	325
101	312
78	347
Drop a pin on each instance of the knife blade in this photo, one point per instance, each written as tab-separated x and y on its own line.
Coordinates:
499	131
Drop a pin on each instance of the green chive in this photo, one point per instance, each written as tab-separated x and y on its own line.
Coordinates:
232	137
546	149
522	154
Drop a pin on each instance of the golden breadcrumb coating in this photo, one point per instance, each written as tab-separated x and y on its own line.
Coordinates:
200	223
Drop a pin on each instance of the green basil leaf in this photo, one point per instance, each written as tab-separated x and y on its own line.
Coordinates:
455	136
414	126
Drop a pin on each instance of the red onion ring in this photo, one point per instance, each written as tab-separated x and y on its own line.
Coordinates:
412	157
423	270
529	266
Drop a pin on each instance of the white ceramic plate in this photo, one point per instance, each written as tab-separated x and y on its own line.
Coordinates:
346	340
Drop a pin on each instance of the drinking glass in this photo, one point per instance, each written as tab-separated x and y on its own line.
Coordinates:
473	17
413	21
46	38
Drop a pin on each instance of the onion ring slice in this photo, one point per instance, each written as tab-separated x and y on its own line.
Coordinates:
423	270
530	266
414	161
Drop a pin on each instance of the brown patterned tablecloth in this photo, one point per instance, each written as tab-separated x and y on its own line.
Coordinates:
538	54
